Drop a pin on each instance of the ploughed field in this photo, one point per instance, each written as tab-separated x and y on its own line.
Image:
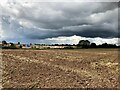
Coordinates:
83	68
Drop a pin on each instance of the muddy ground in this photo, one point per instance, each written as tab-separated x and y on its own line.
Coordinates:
84	68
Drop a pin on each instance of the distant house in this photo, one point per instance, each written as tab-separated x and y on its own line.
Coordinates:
23	46
46	47
57	47
26	46
6	45
17	46
35	46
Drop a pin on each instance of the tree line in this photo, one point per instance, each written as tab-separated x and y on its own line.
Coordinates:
87	44
81	44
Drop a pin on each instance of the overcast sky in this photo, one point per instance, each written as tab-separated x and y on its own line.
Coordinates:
59	22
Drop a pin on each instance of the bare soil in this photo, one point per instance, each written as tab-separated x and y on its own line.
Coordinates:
84	68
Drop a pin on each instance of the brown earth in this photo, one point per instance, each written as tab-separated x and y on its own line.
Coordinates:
84	68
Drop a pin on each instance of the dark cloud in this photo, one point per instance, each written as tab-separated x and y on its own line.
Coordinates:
47	20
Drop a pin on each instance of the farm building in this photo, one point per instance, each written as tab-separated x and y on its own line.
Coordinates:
26	46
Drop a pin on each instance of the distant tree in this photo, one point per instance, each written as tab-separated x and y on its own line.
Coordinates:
4	42
67	44
20	46
93	45
104	45
112	46
84	43
24	45
56	44
12	44
18	42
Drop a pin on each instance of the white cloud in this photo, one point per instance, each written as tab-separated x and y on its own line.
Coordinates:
75	39
25	23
